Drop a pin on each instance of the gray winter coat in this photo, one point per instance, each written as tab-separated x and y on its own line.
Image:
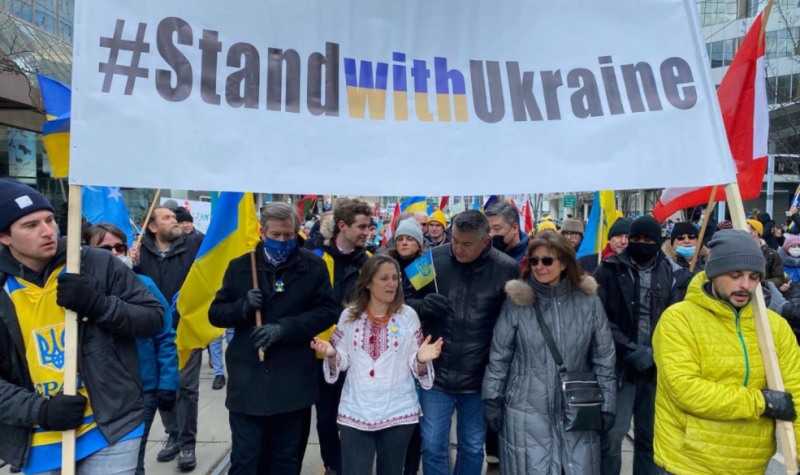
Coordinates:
521	370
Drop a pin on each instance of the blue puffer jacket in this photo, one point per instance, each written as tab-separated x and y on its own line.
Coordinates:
158	356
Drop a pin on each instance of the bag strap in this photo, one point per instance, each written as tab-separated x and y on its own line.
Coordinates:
548	337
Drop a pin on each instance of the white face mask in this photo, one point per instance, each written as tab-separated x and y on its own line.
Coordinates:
794	252
127	260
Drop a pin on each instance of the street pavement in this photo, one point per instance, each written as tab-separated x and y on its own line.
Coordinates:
214	440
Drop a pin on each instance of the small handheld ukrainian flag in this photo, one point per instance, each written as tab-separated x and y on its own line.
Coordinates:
421	272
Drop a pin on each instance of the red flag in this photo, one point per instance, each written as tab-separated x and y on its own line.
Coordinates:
743	102
389	232
304	205
443	203
526	221
377	211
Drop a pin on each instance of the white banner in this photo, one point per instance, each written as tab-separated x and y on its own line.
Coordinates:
200	211
407	97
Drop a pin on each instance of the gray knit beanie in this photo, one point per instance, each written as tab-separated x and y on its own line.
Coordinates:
410	228
734	250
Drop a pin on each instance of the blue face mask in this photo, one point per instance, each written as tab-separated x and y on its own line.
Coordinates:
685	252
279	250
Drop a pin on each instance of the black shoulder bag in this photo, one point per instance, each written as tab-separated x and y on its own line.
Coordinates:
581	395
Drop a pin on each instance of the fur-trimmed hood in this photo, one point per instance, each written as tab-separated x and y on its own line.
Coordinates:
670	251
522	294
326	230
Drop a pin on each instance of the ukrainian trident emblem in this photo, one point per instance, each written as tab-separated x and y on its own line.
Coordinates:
424	269
50	346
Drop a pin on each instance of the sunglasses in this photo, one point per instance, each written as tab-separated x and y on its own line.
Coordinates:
686	237
546	261
119	247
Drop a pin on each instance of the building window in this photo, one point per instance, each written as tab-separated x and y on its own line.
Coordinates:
784	91
22	9
713	12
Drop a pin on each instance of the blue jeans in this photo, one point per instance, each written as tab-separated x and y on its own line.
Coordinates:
215	349
437	409
117	459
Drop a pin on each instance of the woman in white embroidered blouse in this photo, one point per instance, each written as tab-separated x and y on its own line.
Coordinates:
378	341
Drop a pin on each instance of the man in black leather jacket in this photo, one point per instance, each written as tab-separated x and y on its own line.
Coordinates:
470	276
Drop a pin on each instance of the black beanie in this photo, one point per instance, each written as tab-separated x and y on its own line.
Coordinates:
620	226
181	215
683	228
18	200
648	226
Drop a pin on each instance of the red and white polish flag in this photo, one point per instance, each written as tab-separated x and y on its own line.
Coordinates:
743	102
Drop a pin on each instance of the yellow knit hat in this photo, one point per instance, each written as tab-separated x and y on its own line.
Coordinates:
756	225
546	225
438	216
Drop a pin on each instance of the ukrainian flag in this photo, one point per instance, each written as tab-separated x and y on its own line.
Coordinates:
414	204
489	202
57	100
233	232
421	272
596	237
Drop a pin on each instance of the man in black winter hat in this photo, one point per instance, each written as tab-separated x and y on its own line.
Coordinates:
186	222
114	308
636	287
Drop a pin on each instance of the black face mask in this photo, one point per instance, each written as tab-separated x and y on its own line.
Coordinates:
499	243
642	252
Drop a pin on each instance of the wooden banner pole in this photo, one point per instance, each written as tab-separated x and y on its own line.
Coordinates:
765	341
703	228
147	218
74	215
254	273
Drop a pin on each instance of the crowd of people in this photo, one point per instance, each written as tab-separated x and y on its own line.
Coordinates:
545	360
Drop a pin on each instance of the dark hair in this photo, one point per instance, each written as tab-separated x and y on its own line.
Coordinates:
396	255
94	235
152	219
346	210
362	295
564	251
507	211
472	221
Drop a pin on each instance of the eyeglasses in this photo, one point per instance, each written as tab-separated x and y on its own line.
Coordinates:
546	261
570	234
121	248
686	237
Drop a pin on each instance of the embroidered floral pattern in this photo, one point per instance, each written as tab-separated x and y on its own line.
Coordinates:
371	426
336	337
394	330
374	340
418	336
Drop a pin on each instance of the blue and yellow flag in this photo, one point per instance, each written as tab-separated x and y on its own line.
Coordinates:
57	100
421	272
414	204
233	232
595	238
492	199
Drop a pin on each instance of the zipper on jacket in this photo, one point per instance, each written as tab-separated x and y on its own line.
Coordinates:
744	347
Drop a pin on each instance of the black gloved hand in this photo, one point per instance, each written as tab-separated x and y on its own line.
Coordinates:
435	305
252	302
641	360
166	399
267	335
60	412
778	405
493	413
74	292
608	421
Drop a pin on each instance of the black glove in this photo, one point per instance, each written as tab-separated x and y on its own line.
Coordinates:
778	405
60	412
434	305
252	302
74	292
267	335
641	360
166	399
493	413
608	421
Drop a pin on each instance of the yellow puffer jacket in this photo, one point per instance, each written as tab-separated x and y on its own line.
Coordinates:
710	373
